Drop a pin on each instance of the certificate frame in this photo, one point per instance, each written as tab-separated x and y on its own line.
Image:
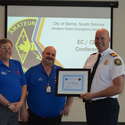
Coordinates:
72	82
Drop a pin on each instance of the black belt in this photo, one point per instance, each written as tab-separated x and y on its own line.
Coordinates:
100	100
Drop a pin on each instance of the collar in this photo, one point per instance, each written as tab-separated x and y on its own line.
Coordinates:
1	63
41	64
106	52
43	70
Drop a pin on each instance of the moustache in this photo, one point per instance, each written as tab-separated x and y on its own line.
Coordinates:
100	44
49	58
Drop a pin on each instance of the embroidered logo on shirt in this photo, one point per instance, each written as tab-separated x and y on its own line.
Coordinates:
117	61
3	73
40	79
17	72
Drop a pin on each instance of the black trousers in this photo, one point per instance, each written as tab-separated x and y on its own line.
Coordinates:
7	117
102	112
37	120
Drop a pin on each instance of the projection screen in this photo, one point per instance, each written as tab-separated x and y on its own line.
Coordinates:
71	30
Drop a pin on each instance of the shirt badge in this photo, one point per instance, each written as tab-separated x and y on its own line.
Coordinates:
117	62
106	62
113	54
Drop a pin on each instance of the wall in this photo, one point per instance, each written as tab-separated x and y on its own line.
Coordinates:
119	45
77	112
1	21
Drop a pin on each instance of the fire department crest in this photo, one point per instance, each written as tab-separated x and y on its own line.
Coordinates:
26	49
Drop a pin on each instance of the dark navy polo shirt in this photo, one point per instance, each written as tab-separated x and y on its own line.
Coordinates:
11	80
39	101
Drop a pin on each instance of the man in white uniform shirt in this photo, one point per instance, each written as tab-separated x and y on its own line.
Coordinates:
101	104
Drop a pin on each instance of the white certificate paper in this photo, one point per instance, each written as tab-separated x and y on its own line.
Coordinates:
72	81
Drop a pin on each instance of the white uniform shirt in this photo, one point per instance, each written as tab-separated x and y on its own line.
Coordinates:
110	66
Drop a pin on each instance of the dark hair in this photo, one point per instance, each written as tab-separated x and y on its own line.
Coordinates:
5	40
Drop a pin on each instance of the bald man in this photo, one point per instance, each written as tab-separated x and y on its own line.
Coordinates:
45	108
102	106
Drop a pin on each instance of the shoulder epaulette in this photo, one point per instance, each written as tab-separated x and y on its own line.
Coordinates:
93	53
113	54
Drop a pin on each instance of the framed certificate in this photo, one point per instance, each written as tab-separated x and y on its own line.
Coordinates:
72	82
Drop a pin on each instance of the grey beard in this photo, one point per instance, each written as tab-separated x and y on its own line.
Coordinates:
49	62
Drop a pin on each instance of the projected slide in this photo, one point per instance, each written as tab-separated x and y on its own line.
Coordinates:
72	37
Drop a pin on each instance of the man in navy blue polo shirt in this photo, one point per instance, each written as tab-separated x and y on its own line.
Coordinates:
45	108
12	85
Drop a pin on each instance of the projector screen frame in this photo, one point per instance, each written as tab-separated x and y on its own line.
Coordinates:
109	4
59	4
113	4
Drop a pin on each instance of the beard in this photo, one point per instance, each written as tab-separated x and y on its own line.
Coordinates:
48	61
100	45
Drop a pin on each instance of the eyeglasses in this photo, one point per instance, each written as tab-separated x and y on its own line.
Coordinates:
5	48
99	38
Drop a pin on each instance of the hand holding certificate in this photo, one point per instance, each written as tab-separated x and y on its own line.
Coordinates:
72	82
